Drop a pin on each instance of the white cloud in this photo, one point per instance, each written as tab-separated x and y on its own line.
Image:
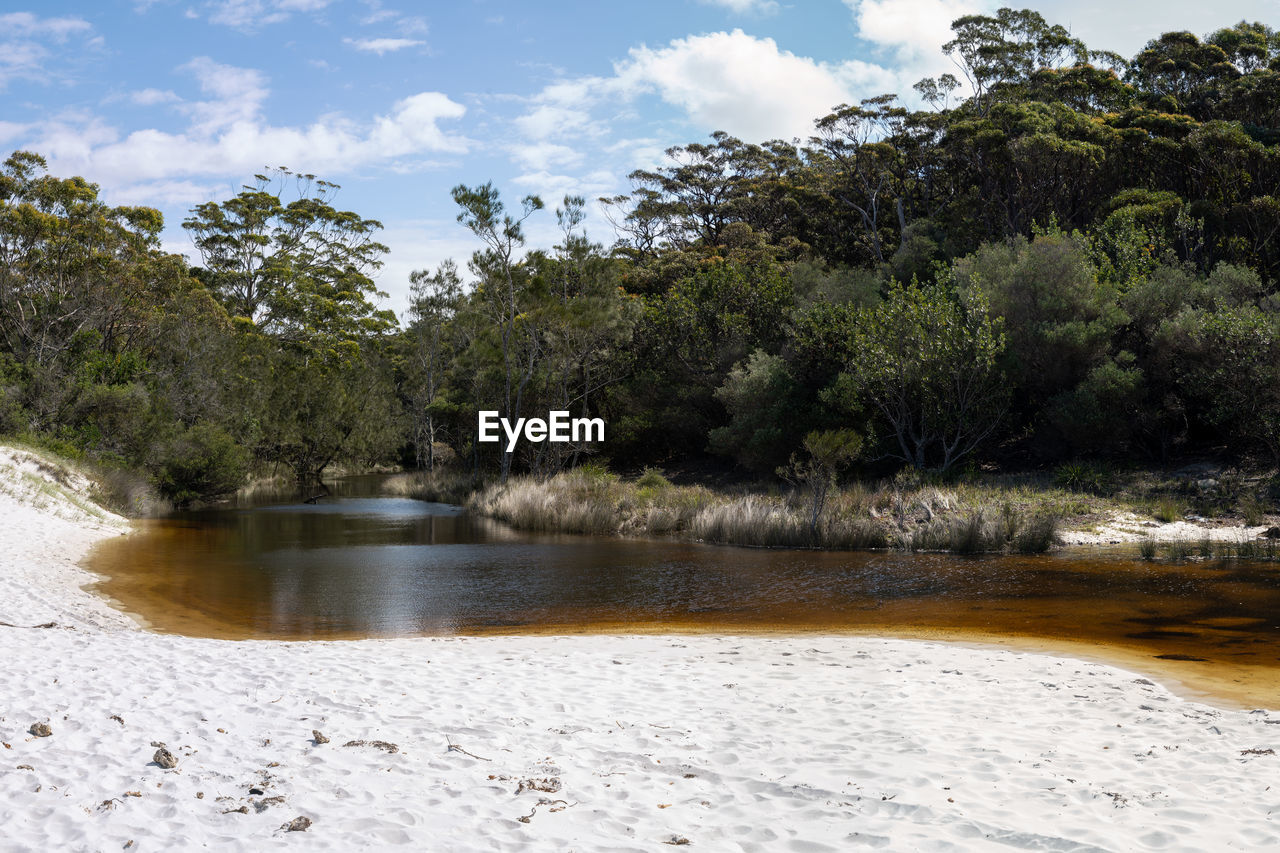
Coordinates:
730	81
745	85
236	94
170	194
25	41
19	24
249	15
229	136
151	97
541	156
759	7
915	30
381	46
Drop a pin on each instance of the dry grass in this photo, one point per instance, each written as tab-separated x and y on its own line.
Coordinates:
963	519
444	485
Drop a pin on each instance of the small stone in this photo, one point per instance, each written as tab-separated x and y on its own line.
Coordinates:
318	737
165	759
26	767
298	824
40	729
199	795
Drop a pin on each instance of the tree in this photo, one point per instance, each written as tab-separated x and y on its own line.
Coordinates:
502	288
297	278
929	364
428	353
864	166
759	396
294	270
994	50
827	453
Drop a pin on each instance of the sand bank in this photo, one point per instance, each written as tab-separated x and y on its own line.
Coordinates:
583	743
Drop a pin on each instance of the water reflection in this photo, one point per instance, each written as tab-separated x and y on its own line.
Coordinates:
363	566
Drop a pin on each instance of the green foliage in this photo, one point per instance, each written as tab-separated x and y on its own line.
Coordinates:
653	479
827	453
298	270
201	463
1167	510
929	364
758	395
1081	477
1059	319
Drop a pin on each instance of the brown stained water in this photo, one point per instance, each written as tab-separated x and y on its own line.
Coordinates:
381	567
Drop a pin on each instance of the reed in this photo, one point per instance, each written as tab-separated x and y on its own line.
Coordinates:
752	521
441	486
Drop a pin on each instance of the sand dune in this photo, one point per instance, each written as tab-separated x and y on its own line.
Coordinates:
805	743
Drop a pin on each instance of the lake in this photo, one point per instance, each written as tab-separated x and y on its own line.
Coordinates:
356	565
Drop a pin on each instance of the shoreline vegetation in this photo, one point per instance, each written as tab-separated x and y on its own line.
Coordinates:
1164	517
1176	517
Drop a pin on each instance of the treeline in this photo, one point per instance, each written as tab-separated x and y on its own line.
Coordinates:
1065	255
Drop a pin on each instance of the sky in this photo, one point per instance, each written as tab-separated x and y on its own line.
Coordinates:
172	103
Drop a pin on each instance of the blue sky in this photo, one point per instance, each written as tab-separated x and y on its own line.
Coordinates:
171	103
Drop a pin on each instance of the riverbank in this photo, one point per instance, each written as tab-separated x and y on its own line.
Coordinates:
579	743
1012	514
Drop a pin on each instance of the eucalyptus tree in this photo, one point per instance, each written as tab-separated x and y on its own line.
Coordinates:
297	269
431	343
502	290
296	276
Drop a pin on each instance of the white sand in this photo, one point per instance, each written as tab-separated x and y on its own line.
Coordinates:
1127	527
795	744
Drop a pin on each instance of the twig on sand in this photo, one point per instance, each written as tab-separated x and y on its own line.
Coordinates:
41	625
453	747
556	806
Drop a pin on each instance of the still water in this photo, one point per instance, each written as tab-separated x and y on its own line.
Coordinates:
353	566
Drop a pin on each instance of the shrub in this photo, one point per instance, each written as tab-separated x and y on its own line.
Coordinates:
1167	510
652	478
1037	535
1081	477
201	463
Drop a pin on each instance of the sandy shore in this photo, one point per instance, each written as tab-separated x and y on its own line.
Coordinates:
1126	527
582	743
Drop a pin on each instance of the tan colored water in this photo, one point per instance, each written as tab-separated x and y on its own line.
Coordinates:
390	567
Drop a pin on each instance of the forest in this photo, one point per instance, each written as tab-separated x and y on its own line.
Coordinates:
1062	256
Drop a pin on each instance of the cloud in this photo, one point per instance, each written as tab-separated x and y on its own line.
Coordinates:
914	29
383	45
26	41
249	15
746	85
235	94
541	156
758	7
228	136
20	24
151	97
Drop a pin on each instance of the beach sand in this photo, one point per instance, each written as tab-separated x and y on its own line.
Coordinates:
585	743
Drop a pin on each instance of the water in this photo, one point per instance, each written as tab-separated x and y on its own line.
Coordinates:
353	566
